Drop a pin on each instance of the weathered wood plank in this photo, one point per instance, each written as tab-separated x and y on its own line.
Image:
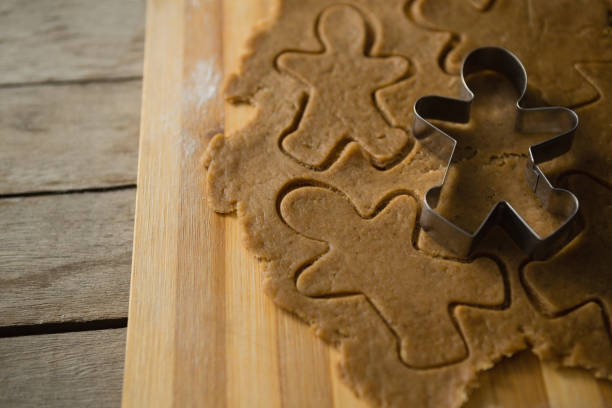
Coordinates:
62	370
69	137
70	40
65	257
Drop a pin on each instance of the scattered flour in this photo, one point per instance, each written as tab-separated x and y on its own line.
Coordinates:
203	84
190	145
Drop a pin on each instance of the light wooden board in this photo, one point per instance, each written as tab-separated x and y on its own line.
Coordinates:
69	136
67	40
199	325
65	257
81	369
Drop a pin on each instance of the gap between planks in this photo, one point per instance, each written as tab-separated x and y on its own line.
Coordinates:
62	327
89	190
69	82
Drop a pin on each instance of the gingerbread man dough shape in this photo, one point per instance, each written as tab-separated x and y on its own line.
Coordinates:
412	292
342	81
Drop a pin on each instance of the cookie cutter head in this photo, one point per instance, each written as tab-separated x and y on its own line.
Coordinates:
562	121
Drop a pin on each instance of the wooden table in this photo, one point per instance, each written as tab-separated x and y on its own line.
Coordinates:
70	91
70	88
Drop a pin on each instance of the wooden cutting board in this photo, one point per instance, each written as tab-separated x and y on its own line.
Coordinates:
201	332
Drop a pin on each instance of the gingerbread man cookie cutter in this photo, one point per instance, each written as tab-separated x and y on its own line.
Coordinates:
556	200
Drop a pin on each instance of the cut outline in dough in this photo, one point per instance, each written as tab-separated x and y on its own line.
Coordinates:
287	297
298	184
530	290
304	99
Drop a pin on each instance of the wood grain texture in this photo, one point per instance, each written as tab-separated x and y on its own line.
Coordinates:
176	331
69	40
69	136
62	370
65	257
200	325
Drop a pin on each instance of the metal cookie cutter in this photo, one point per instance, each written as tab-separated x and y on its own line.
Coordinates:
555	200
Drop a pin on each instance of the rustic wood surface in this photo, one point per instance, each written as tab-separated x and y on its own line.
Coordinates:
69	136
70	92
68	40
62	370
217	340
65	257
